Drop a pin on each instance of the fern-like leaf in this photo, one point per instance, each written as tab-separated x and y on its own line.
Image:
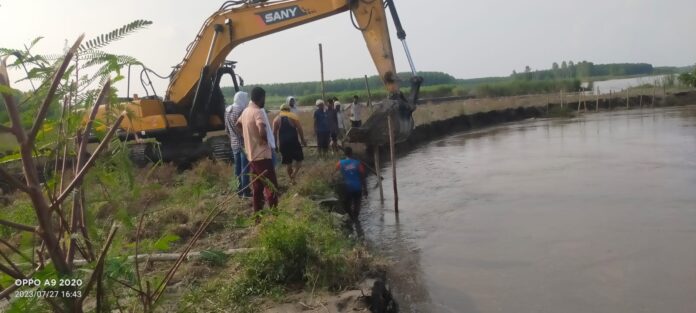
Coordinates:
116	34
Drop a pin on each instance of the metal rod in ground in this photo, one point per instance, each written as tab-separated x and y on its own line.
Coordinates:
393	163
378	170
321	63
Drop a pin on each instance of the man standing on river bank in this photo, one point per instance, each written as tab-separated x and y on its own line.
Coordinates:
253	125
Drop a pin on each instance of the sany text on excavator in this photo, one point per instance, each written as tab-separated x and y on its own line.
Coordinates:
179	126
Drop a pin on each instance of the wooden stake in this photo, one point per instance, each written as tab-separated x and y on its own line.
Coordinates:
379	170
652	103
561	99
321	63
369	94
608	101
597	105
628	95
393	162
641	101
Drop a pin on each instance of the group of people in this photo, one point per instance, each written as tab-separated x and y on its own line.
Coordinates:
255	140
329	124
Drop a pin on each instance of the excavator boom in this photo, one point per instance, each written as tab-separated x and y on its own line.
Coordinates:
193	106
229	27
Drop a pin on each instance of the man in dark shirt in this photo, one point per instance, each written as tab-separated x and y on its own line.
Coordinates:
332	116
321	128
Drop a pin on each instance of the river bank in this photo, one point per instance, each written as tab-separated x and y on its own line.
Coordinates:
433	120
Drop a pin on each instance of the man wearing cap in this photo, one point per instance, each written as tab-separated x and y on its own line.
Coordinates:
321	128
288	132
341	120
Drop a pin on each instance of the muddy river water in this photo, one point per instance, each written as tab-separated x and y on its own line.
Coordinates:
590	214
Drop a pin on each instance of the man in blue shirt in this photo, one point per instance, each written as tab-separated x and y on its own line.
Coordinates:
353	172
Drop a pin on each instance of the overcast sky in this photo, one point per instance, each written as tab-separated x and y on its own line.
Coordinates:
467	39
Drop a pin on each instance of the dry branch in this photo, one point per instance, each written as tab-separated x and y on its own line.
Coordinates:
43	213
12	273
18	226
9	261
100	263
41	116
78	177
168	257
15	250
7	292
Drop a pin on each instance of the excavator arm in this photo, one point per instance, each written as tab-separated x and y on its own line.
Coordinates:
193	108
231	26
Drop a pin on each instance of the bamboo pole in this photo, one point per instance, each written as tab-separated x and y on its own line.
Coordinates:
393	163
641	101
628	95
378	170
597	105
369	97
369	93
321	63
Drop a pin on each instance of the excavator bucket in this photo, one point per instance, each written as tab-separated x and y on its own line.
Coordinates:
375	131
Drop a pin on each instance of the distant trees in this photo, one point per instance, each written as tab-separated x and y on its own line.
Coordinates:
585	70
688	79
340	85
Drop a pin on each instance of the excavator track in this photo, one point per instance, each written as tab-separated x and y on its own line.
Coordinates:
220	149
138	154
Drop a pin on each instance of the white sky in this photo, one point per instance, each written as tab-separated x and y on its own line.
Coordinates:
467	39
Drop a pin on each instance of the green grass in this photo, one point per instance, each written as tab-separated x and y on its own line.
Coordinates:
7	143
298	248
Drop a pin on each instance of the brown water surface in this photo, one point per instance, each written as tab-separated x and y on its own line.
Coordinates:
591	214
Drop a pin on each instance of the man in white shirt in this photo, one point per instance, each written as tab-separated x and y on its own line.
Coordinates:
355	112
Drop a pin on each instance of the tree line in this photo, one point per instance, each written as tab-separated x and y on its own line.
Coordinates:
585	70
341	85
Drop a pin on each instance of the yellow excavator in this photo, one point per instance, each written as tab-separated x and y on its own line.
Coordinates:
179	128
